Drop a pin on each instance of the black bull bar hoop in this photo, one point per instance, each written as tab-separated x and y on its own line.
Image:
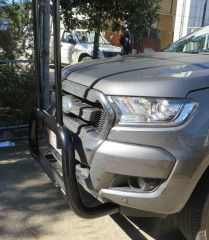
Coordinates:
41	119
65	143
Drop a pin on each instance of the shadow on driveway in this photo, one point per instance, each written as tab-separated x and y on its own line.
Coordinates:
25	191
31	207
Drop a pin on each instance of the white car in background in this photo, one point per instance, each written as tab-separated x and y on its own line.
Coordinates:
77	46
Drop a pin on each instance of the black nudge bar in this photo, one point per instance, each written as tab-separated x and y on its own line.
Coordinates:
41	119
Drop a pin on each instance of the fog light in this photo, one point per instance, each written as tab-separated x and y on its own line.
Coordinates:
143	184
67	103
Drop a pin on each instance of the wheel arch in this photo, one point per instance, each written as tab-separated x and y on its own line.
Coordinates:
202	173
82	56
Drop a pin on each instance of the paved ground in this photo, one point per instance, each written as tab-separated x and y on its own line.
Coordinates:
31	208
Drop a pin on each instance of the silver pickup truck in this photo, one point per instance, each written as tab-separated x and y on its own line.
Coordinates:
141	124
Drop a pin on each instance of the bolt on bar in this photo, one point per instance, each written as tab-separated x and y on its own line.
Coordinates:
37	53
57	61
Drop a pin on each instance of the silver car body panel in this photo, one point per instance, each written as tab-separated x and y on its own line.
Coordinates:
156	75
176	155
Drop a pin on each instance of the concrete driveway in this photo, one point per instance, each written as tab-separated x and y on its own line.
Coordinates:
31	208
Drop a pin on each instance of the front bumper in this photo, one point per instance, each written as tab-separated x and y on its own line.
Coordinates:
114	159
176	156
123	159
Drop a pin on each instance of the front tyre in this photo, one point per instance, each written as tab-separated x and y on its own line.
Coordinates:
193	220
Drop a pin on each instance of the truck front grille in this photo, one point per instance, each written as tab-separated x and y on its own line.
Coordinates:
87	113
90	119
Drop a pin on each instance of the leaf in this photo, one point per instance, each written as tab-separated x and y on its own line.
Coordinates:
139	15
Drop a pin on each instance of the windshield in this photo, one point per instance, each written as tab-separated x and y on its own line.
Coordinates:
88	37
195	42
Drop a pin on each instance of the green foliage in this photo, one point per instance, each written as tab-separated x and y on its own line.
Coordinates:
15	32
17	90
139	15
3	2
17	93
88	14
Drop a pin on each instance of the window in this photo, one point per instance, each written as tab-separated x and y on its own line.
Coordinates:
88	37
67	37
195	42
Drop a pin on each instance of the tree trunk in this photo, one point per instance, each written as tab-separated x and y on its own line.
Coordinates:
139	44
134	43
96	44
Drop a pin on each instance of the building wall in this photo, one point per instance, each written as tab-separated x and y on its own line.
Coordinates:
166	22
165	28
189	17
196	14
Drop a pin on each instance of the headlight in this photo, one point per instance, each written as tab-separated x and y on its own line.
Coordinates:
152	111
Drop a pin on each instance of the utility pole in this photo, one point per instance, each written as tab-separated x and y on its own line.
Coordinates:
204	13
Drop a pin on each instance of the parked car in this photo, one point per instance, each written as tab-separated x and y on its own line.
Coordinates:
195	42
140	127
77	46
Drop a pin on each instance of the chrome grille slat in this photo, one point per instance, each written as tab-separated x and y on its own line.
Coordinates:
93	114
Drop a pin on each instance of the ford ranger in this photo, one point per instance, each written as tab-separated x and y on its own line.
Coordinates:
141	127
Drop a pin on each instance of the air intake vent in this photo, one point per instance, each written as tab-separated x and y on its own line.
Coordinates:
103	119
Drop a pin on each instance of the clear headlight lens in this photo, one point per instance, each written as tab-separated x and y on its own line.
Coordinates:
152	111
